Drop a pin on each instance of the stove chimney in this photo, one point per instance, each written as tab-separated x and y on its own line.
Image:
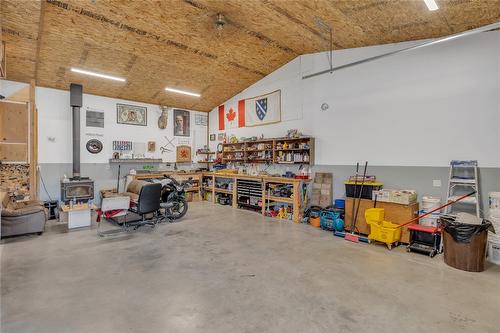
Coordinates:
75	93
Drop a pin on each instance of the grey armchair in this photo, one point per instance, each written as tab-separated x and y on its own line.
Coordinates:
22	217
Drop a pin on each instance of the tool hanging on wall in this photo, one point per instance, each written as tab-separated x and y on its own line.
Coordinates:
165	148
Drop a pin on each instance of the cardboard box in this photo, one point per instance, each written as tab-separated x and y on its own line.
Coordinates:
317	186
328	179
325	201
326	186
405	197
383	195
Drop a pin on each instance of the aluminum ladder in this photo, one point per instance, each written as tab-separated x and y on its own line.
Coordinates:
463	178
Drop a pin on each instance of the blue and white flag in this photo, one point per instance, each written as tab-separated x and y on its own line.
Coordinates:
263	109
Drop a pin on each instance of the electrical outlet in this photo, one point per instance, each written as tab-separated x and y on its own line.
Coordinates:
436	183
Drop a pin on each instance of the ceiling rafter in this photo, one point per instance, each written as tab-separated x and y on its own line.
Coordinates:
39	39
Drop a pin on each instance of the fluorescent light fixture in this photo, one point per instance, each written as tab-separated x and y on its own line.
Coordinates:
182	92
431	4
104	76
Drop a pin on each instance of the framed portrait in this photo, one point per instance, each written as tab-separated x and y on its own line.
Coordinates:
181	123
131	115
221	136
212	137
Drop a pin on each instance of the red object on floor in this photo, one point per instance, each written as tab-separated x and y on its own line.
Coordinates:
107	214
352	238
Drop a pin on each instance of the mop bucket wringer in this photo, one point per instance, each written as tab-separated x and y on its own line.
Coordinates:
380	230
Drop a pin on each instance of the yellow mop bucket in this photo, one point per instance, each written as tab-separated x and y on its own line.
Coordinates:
380	230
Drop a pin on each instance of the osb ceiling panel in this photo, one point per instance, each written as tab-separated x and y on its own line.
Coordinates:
154	44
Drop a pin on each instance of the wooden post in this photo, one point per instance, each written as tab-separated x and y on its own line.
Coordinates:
264	197
296	201
33	143
235	193
200	184
213	188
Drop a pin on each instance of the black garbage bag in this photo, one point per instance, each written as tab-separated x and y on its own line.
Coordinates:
463	232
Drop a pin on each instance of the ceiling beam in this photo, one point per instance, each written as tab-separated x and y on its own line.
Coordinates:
39	40
485	28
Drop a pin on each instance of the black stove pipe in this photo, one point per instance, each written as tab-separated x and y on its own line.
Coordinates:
76	99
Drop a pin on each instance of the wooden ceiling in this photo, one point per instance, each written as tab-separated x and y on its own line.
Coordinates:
155	44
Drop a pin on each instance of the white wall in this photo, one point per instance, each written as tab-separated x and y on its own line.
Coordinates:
55	144
54	126
421	108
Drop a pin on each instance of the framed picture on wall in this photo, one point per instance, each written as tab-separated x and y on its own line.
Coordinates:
131	115
181	123
183	154
221	136
212	137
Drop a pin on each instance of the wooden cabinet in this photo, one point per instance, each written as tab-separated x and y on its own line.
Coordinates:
14	131
395	213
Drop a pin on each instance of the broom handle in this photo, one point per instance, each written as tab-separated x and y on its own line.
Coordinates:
354	198
359	198
436	209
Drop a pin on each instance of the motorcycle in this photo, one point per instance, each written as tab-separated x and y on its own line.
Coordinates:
173	197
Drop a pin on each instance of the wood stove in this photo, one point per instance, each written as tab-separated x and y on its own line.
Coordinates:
77	189
81	189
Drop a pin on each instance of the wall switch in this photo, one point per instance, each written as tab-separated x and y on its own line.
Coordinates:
436	183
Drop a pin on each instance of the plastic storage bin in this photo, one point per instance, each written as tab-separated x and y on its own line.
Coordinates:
352	189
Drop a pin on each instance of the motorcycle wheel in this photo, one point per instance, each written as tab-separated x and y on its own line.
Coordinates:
178	210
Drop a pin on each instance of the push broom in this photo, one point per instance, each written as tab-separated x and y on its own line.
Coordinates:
342	234
352	237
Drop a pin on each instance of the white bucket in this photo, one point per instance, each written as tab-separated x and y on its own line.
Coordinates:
494	251
429	221
430	203
494	201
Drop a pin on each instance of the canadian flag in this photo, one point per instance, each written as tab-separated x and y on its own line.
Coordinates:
231	116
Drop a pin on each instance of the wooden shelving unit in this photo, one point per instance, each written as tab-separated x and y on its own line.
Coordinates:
273	150
207	161
242	185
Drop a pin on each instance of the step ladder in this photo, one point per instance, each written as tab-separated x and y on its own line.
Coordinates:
463	178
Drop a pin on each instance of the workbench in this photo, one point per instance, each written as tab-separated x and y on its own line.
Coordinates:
178	176
295	200
394	212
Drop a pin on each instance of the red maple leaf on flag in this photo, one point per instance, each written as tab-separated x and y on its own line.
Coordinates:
231	115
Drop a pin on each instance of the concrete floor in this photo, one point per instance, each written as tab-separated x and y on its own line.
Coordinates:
228	270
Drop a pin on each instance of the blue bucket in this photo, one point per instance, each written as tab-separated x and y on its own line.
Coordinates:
340	203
